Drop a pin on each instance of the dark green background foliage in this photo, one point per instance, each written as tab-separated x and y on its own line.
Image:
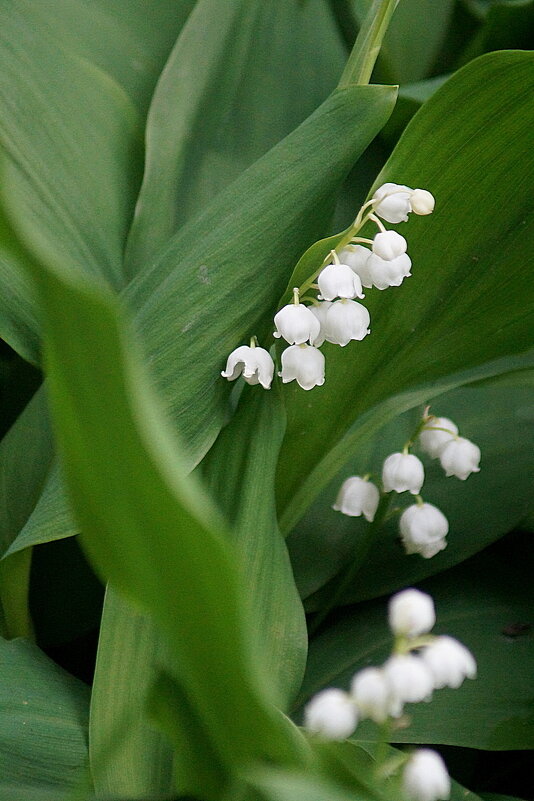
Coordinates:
169	171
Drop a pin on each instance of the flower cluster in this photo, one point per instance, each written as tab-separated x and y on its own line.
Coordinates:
334	315
419	664
423	527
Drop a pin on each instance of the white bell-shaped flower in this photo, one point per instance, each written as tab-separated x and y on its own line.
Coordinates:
401	472
320	311
254	364
346	320
425	777
422	201
409	679
423	528
449	661
432	440
388	272
394	205
296	323
460	458
389	245
339	281
372	694
411	613
331	713
356	257
303	364
356	497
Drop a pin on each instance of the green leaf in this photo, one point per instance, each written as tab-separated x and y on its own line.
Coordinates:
223	100
43	737
72	179
497	416
148	527
232	262
240	471
480	603
445	318
129	757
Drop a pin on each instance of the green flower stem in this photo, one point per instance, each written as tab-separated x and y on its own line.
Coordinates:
347	578
362	59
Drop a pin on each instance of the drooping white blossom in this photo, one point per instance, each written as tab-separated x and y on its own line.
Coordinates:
356	497
401	472
409	679
346	320
254	364
425	777
320	310
389	245
423	528
296	324
433	441
372	694
303	364
356	256
394	205
384	273
422	201
460	458
411	613
339	281
449	661
331	713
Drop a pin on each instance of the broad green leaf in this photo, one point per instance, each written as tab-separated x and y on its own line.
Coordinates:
129	758
240	471
218	280
467	147
413	40
150	529
242	75
14	595
498	416
72	179
485	603
43	736
505	25
128	40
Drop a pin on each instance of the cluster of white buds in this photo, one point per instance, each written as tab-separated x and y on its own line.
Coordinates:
423	527
419	664
335	316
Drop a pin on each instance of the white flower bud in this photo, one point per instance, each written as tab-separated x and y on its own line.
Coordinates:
296	324
346	320
422	201
303	364
356	257
449	661
460	458
401	472
356	497
395	204
389	245
385	273
320	312
372	694
339	281
432	441
423	529
425	777
411	613
255	364
409	679
331	713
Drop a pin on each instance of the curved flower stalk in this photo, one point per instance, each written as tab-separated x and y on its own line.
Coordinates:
334	315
